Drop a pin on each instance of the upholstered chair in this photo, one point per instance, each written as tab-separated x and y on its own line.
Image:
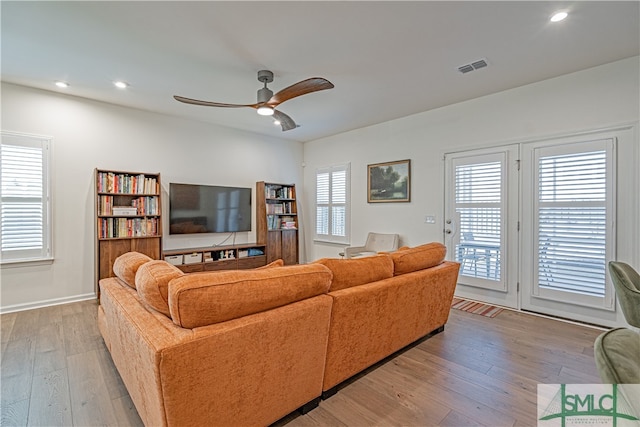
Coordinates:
627	283
376	242
617	352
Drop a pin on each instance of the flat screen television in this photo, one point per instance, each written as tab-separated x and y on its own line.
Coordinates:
208	209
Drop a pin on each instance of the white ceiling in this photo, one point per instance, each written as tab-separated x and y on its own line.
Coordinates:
386	59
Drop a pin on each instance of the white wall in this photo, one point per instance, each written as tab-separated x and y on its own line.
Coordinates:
592	99
88	135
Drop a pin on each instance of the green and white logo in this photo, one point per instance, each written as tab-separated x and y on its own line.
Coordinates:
563	405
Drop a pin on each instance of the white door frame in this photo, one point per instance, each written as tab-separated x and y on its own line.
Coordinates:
504	289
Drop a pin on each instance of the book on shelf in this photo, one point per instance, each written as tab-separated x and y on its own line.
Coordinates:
112	228
122	183
273	222
144	205
287	223
279	192
275	208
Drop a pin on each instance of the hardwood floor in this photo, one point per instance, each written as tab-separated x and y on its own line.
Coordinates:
56	371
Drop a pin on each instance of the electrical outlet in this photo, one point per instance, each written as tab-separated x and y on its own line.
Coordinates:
430	219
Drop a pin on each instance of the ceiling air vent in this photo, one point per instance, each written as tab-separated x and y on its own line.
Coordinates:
476	65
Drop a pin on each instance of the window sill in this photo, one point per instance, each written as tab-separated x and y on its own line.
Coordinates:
25	263
330	242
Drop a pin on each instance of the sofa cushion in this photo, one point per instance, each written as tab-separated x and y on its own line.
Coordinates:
212	297
358	271
126	266
418	258
152	282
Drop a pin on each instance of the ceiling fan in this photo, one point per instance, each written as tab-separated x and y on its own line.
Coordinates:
267	101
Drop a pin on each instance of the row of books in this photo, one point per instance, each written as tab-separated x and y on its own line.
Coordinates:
280	208
275	222
279	192
144	205
122	183
122	227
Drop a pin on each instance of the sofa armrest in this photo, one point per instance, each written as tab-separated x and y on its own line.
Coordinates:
252	370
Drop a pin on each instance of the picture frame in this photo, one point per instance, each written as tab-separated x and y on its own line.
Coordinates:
389	182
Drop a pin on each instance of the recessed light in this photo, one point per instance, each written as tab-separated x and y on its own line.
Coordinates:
277	122
121	84
559	16
62	84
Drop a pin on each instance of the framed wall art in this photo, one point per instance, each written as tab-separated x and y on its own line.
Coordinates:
389	182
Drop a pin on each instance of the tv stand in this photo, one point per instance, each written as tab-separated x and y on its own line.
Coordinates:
213	258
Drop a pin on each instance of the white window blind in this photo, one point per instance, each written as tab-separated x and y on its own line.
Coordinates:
572	221
25	231
332	207
478	196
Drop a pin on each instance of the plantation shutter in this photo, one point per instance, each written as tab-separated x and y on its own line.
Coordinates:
24	211
478	201
574	234
332	188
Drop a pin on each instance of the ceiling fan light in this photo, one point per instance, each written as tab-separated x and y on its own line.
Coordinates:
265	111
559	16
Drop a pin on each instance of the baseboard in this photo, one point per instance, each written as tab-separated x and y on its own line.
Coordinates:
46	303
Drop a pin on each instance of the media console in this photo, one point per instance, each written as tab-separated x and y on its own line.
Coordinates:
228	257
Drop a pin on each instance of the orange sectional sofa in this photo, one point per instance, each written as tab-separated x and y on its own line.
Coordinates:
248	347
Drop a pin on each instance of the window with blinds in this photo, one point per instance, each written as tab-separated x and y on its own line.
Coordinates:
332	207
478	197
25	232
572	212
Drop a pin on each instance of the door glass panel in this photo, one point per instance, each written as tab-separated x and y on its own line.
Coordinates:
572	222
478	196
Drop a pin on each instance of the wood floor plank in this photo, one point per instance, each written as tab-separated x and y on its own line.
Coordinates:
125	412
456	419
14	414
482	387
81	333
16	370
89	396
50	352
115	385
6	325
50	404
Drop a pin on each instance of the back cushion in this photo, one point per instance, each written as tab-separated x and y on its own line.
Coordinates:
418	258
126	266
212	297
152	282
358	271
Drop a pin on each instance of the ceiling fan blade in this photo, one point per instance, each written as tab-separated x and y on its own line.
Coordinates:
286	122
303	87
211	104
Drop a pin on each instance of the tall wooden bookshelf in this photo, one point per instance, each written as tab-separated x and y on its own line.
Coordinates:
277	221
128	217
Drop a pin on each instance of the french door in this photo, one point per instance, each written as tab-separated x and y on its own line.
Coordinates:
533	225
481	192
568	206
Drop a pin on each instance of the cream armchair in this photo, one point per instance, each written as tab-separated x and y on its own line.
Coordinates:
376	242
